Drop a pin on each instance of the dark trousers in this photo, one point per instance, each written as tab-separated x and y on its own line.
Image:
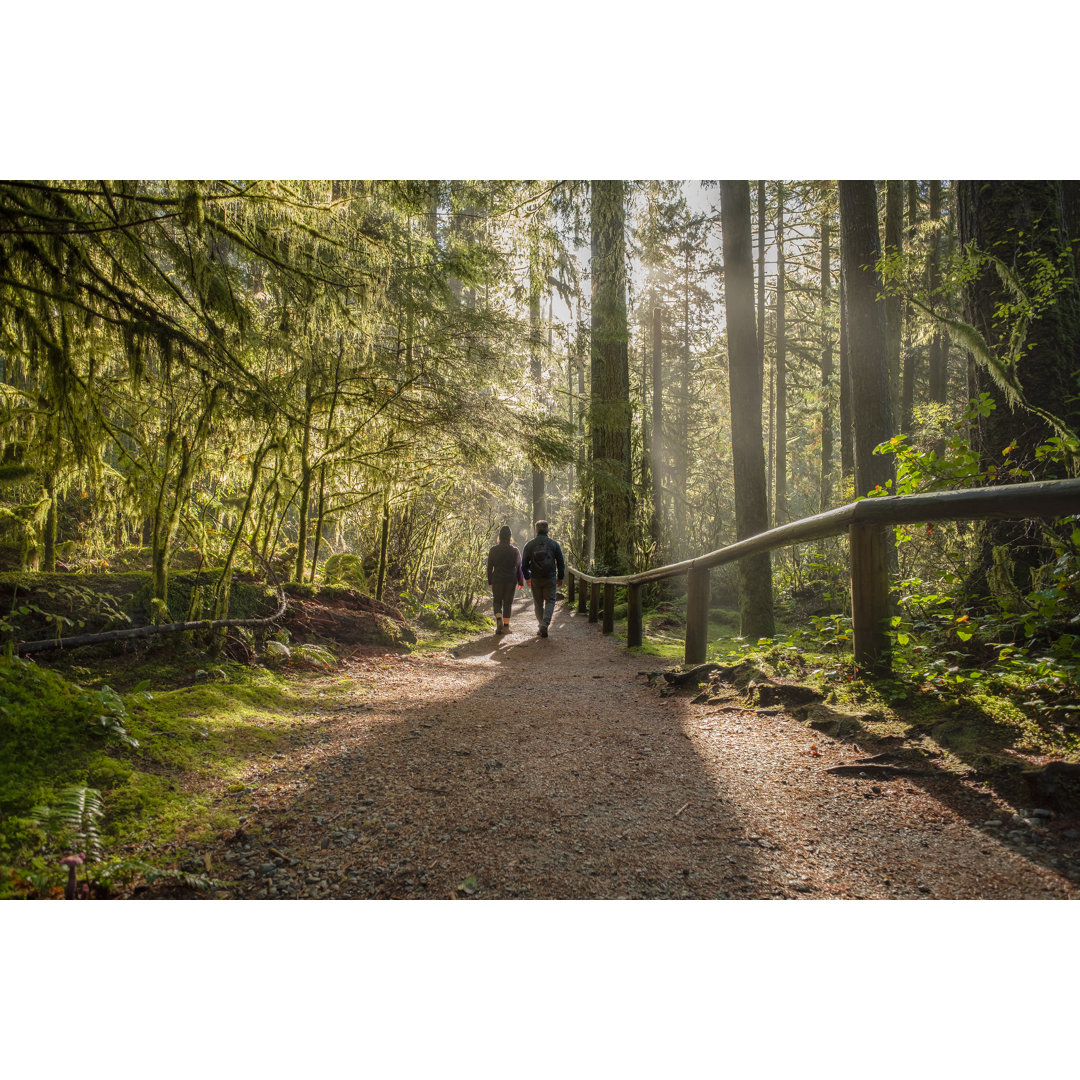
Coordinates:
502	595
543	591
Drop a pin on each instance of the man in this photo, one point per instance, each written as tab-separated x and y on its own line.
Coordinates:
543	566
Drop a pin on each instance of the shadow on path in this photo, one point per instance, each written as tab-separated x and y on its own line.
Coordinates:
527	767
520	766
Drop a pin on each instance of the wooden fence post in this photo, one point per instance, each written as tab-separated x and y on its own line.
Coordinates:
594	600
570	579
697	615
582	596
633	614
609	608
870	597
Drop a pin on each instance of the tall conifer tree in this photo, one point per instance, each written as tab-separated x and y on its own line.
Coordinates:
746	384
610	412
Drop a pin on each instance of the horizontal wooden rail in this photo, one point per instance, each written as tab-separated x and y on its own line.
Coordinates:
864	522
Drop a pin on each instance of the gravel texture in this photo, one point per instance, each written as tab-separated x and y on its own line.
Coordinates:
517	767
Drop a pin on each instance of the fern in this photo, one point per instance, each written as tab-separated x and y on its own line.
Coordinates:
73	820
127	871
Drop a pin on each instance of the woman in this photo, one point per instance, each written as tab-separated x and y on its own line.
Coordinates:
503	573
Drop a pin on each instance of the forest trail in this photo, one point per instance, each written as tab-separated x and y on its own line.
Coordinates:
521	767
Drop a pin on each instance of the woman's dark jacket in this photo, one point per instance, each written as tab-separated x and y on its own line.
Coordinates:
504	565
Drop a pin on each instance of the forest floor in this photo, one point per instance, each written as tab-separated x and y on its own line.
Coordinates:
548	768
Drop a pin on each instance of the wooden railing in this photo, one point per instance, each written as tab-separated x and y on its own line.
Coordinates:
866	522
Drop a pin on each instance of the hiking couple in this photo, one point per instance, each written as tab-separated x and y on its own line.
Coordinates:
541	564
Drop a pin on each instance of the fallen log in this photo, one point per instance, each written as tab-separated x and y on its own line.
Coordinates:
25	647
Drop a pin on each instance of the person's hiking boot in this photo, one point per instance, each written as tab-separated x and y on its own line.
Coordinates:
543	629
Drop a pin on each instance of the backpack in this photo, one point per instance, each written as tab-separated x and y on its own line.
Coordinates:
542	559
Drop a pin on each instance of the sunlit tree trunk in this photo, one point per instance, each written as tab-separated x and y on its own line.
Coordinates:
938	348
657	424
907	377
847	442
780	514
584	502
766	404
746	384
384	540
681	435
539	493
176	489
221	601
304	500
825	484
761	273
610	413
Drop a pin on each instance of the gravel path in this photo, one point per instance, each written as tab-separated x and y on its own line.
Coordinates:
520	767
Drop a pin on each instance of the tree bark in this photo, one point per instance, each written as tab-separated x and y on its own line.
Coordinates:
894	245
1018	221
938	381
657	425
610	412
825	481
539	493
847	444
780	514
745	381
384	539
871	403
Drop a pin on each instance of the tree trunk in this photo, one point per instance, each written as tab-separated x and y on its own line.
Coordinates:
657	425
1017	221
938	383
766	406
48	562
221	600
781	513
871	405
681	435
610	412
167	515
825	483
894	246
745	381
320	517
585	541
304	505
539	494
1070	190
384	539
847	448
907	377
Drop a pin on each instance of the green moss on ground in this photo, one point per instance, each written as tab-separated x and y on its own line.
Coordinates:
155	763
